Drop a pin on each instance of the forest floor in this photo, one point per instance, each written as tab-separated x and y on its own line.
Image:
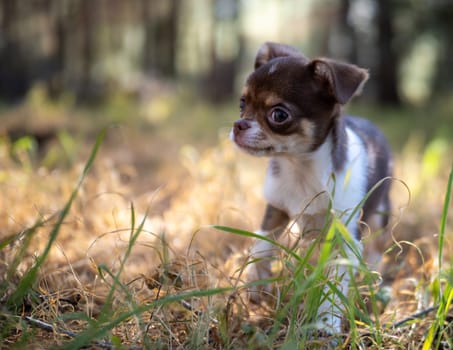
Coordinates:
133	259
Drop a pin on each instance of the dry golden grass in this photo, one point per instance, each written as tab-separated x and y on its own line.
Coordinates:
178	197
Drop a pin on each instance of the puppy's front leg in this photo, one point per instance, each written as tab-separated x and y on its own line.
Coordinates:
273	224
332	309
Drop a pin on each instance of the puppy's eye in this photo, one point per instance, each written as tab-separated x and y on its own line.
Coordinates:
279	116
242	104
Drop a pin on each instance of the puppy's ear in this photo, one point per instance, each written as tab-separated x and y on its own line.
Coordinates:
269	50
344	80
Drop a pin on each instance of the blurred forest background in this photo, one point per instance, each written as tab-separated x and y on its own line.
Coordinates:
93	49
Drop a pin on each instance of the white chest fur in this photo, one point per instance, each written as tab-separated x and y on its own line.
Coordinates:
306	184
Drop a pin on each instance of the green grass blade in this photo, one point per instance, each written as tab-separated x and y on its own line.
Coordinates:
29	277
25	237
135	233
4	242
443	220
257	236
444	303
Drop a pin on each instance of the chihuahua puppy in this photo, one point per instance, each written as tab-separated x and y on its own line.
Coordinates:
320	160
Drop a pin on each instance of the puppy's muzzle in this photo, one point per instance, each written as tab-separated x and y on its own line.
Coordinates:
240	125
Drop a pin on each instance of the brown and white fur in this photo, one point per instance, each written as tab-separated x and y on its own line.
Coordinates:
291	112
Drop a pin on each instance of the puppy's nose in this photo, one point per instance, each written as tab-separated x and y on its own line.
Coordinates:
240	125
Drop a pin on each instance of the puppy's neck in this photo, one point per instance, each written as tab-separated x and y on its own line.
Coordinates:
314	168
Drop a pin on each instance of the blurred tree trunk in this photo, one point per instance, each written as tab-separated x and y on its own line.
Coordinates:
443	27
388	60
348	32
61	25
226	49
160	26
14	77
87	17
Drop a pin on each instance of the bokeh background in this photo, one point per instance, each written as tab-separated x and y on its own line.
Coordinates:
93	49
164	76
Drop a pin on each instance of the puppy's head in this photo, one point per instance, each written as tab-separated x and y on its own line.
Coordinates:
289	103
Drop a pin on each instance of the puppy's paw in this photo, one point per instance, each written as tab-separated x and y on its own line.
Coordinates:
254	273
326	334
321	339
330	324
329	319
